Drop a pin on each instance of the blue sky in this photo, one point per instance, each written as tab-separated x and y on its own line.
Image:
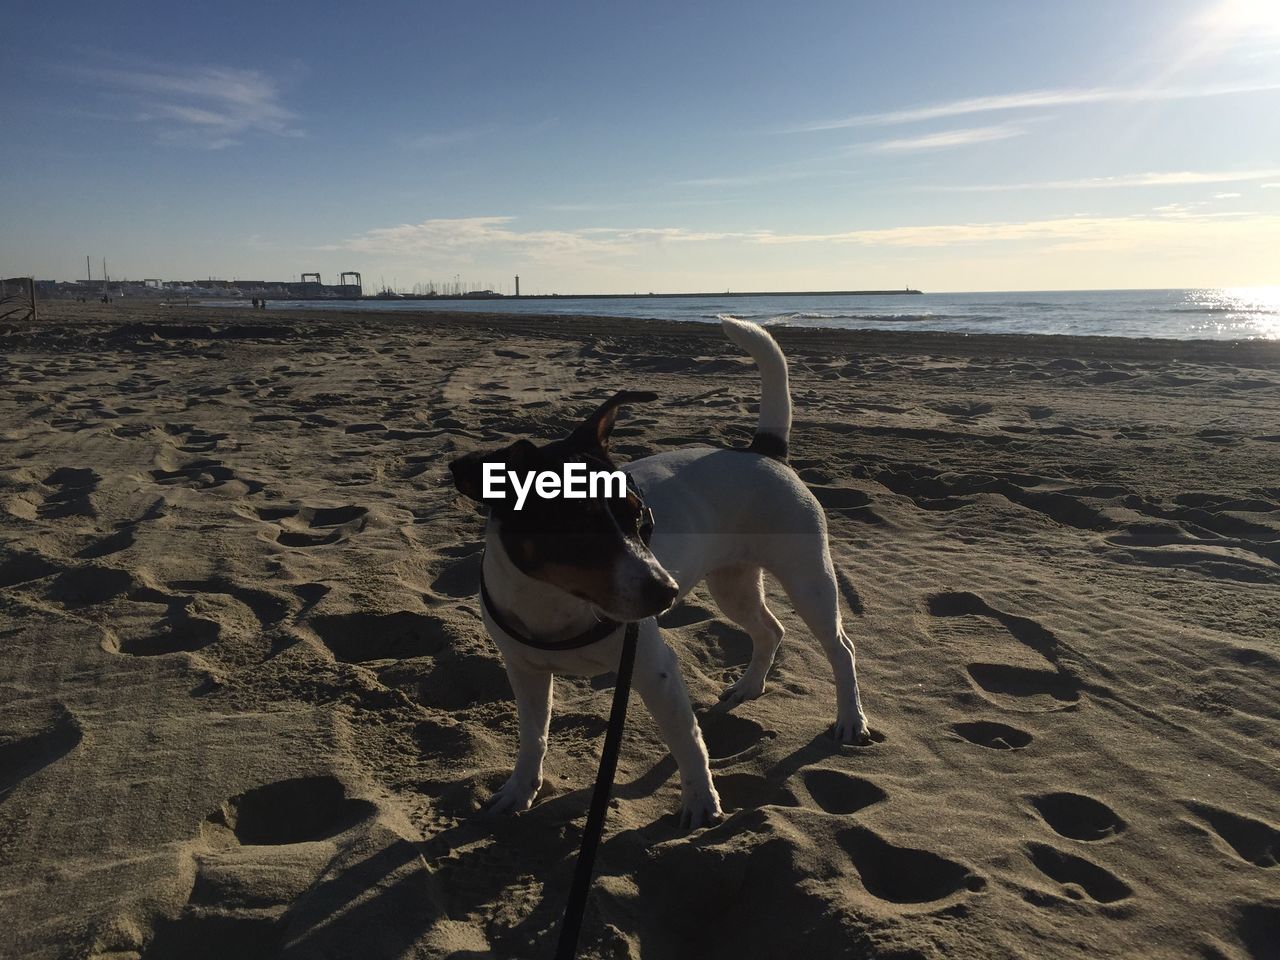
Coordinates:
603	147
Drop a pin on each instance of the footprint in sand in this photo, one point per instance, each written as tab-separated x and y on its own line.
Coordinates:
1252	840
1024	676
1080	878
684	883
418	654
453	682
992	735
286	812
1258	926
181	634
256	856
176	630
315	526
904	875
839	793
364	637
967	410
269	609
32	739
749	791
461	577
193	439
90	585
112	543
70	494
1024	690
372	427
1078	817
24	568
728	735
208	475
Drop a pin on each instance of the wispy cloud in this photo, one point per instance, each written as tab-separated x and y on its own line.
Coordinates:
1032	99
1271	186
208	106
473	238
1077	232
1155	179
947	139
1179	209
1227	196
463	238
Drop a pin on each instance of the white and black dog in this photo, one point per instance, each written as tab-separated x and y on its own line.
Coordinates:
561	576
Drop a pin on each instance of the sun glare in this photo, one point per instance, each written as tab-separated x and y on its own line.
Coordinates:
1236	311
1246	16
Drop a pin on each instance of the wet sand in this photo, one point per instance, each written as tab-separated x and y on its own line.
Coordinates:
247	707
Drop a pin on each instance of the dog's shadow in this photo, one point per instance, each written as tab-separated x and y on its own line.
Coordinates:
511	875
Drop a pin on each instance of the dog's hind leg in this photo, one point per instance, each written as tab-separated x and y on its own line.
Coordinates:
739	593
810	582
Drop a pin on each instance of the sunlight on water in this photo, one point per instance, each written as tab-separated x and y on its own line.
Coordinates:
1216	313
1236	311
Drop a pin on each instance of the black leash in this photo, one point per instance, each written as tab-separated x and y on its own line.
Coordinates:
567	949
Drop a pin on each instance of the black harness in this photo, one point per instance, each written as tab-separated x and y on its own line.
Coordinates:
596	632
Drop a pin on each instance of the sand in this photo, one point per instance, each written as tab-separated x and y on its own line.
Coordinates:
247	707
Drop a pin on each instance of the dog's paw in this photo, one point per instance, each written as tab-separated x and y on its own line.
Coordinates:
700	808
852	730
514	796
745	688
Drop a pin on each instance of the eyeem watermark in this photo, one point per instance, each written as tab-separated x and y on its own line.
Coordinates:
574	482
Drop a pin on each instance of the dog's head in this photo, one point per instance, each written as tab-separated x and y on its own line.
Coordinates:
593	548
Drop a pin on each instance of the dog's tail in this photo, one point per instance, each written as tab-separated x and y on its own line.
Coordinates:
774	428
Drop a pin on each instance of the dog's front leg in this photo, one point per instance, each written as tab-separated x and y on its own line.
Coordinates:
660	685
533	706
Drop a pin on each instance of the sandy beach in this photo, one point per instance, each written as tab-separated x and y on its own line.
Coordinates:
248	708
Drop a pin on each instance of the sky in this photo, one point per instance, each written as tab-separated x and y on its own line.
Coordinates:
652	147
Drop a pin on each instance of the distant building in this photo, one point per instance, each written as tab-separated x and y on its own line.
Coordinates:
208	288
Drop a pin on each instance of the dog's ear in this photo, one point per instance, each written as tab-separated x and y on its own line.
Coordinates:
594	432
468	470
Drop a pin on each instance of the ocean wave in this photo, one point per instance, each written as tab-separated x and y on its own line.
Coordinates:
799	318
1225	308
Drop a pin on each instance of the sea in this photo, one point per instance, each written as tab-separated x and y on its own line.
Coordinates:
1194	314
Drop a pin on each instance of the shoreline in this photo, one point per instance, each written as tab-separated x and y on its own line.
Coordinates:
728	294
101	317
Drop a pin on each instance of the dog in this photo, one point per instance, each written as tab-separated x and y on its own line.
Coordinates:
561	577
